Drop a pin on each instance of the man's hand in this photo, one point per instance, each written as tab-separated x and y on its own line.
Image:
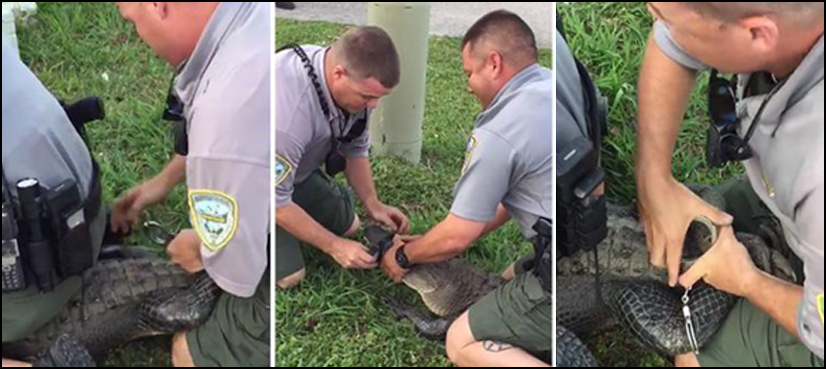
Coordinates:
127	210
391	217
667	209
352	255
727	267
388	263
185	251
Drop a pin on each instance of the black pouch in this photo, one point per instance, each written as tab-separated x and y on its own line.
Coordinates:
543	264
72	236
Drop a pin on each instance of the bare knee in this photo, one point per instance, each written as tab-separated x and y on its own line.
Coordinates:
509	273
687	361
354	228
181	357
292	280
15	364
458	337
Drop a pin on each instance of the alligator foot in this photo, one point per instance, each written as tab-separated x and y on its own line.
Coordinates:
65	352
171	311
427	325
571	352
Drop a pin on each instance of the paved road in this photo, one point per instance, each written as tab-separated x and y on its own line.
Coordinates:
446	19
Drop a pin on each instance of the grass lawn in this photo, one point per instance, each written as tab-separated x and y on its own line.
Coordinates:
610	39
338	317
84	49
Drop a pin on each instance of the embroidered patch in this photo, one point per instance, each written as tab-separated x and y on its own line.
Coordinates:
214	216
282	169
471	148
820	307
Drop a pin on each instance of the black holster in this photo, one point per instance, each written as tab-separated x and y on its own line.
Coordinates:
543	264
582	216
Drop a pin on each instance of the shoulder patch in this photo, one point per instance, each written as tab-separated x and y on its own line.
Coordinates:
472	143
283	169
214	216
820	307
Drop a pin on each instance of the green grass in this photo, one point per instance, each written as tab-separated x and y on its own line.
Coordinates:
610	39
338	317
71	47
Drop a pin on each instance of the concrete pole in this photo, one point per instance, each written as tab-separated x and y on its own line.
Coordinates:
9	31
396	124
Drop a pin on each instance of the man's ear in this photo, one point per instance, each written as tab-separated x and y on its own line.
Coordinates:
764	33
496	63
161	10
339	72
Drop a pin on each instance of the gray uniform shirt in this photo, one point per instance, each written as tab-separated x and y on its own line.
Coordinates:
787	169
38	139
303	134
225	87
509	158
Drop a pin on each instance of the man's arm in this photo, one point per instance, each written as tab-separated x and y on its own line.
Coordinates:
502	217
360	176
175	172
667	207
449	239
779	299
298	223
664	90
728	267
347	253
127	210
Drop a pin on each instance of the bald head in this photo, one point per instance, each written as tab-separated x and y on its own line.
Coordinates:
171	29
368	52
505	33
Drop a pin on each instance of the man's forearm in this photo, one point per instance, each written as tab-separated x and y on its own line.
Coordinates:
780	300
446	240
502	217
360	176
175	171
293	219
664	90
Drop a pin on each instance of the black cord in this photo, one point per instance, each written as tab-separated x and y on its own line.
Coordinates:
6	191
342	138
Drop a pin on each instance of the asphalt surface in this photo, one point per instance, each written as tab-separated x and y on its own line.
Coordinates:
446	19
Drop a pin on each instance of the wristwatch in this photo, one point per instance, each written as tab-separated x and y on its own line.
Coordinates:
401	258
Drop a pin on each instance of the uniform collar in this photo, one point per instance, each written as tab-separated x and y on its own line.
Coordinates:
227	18
512	87
797	86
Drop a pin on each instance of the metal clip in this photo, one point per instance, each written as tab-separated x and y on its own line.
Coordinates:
158	234
689	324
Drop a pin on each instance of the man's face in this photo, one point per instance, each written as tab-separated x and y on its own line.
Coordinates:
153	27
729	47
355	94
481	76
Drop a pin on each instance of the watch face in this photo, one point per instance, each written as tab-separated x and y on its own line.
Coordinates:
401	258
